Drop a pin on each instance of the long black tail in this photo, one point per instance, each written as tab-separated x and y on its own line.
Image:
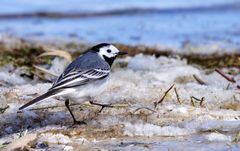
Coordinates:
42	97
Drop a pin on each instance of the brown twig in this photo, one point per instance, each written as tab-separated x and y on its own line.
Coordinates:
193	103
237	138
200	81
228	86
2	110
200	100
147	108
160	101
178	98
230	79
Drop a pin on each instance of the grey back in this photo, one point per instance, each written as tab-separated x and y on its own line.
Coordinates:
88	60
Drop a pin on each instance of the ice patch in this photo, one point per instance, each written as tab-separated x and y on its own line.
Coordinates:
154	130
12	78
54	138
82	140
67	148
218	137
148	77
134	87
205	123
142	62
180	110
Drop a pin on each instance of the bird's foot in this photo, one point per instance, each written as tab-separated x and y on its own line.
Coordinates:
75	122
102	105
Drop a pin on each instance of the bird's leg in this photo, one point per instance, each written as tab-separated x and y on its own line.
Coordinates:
102	105
74	120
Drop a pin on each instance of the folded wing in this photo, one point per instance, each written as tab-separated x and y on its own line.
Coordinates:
77	78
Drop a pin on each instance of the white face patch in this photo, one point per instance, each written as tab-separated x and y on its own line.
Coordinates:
108	51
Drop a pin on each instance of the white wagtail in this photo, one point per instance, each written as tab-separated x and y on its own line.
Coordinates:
85	77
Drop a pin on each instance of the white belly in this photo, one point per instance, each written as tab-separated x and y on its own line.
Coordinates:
80	94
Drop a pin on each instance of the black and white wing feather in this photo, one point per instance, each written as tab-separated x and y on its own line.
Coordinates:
83	70
78	78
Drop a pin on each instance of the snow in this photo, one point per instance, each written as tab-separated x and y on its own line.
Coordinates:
132	90
9	77
154	130
141	82
218	137
206	123
67	148
58	65
54	138
83	140
142	62
180	110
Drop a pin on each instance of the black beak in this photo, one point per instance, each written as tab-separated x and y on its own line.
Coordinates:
122	53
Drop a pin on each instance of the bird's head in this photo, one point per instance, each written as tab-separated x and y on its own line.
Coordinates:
107	52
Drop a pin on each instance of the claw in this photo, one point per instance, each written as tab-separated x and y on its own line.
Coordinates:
79	123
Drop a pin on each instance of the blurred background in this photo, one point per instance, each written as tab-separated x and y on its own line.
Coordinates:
168	23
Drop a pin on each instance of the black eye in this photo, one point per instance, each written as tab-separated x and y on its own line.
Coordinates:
109	51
